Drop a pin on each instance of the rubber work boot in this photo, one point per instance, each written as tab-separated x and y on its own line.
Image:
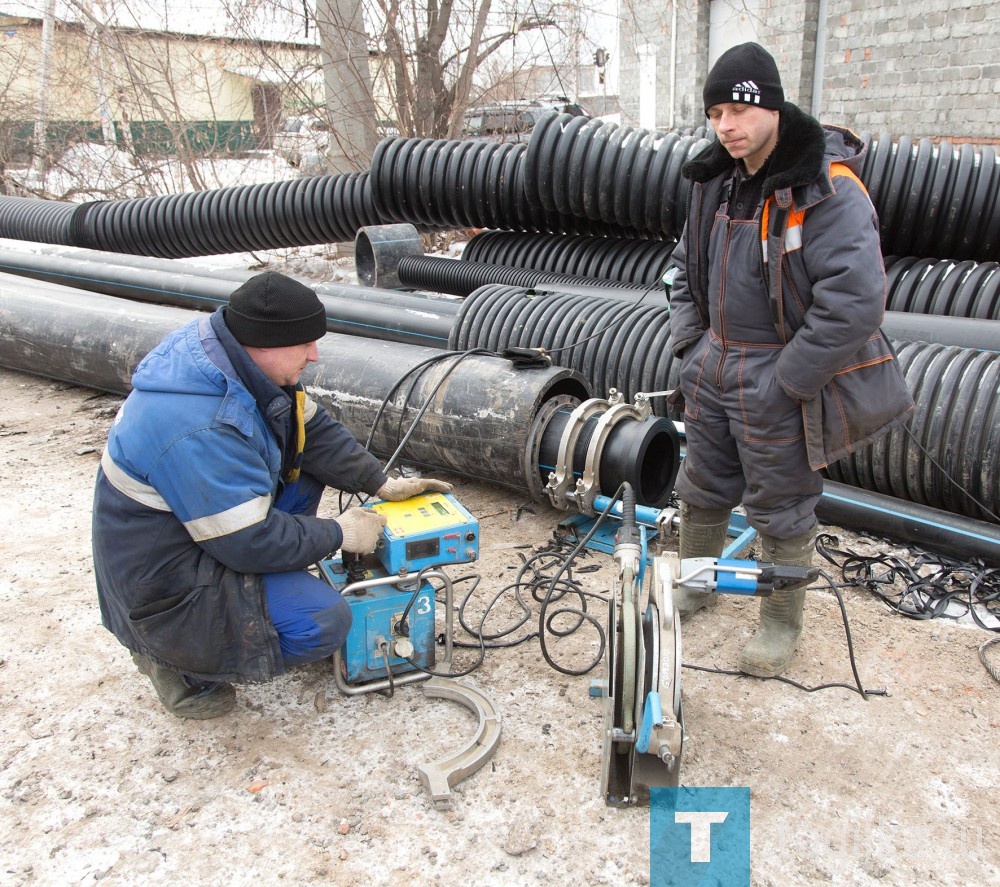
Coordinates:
703	534
770	650
184	698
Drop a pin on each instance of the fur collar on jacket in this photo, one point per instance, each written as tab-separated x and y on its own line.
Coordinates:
797	159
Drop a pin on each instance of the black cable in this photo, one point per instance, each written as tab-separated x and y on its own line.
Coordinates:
857	687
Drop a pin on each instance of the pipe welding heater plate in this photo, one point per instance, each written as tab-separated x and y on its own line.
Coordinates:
643	712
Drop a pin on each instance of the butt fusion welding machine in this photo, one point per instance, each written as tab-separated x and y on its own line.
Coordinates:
393	598
643	716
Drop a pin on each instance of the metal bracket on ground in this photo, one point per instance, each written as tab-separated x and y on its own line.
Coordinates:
439	777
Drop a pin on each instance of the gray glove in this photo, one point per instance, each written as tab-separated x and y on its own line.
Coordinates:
396	489
362	528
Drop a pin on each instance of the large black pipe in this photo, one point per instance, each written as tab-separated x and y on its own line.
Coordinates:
929	528
932	286
608	258
475	414
351	310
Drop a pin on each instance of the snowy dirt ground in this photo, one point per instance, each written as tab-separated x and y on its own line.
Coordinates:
303	785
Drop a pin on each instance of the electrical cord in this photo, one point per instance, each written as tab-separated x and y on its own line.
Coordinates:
856	687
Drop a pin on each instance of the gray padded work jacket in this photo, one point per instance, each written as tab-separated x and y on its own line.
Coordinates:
823	272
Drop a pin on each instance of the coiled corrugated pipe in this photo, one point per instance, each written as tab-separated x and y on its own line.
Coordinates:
606	258
461	278
44	221
608	173
614	345
935	199
933	286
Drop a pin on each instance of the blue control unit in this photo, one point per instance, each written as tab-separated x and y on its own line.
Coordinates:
377	637
429	530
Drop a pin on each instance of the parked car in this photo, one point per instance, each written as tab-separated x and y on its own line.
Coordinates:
514	121
301	136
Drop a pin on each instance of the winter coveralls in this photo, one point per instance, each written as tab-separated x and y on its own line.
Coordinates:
776	321
204	513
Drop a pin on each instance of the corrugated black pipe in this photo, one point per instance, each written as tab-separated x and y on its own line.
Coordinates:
934	286
294	212
461	278
935	199
27	218
608	258
616	175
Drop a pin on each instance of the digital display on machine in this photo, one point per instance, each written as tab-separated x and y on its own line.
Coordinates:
421	548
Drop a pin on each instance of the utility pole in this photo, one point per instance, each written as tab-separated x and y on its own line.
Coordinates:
40	159
348	84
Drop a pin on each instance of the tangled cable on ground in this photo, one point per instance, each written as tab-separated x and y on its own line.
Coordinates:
933	586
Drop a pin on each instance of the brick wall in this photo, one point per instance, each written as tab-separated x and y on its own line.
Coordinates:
910	67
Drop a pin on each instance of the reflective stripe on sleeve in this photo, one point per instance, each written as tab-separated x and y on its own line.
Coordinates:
239	517
127	485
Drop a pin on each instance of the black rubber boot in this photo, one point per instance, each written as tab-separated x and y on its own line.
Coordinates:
200	701
770	650
703	534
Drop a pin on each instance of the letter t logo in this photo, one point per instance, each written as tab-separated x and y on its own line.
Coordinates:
701	831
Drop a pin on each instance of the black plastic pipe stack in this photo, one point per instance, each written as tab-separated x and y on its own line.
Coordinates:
605	258
616	175
956	426
42	221
612	344
295	212
935	200
955	289
454	184
461	278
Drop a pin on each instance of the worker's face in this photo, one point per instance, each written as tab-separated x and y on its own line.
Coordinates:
284	366
747	132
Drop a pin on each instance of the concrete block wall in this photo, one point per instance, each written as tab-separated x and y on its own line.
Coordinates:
914	67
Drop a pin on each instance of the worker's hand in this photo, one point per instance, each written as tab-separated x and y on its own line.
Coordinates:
362	528
396	489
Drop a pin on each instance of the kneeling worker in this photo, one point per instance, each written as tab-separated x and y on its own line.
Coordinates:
204	519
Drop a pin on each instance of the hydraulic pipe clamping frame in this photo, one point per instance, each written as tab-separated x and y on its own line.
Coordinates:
392	594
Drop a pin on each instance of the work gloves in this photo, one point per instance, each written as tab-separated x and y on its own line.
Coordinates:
362	528
396	489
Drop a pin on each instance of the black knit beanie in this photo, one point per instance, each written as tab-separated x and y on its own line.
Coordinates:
271	310
745	73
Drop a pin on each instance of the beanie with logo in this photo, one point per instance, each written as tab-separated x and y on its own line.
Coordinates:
271	310
746	73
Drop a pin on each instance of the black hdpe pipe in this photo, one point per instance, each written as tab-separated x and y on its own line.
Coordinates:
485	418
930	528
294	212
943	287
351	310
607	258
27	218
454	184
461	278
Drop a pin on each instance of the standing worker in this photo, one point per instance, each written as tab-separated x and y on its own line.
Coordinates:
774	314
204	518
